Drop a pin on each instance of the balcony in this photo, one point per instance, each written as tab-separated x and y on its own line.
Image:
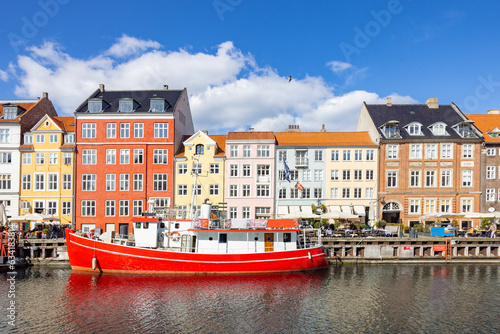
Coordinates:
301	162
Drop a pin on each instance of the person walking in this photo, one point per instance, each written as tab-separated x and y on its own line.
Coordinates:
493	230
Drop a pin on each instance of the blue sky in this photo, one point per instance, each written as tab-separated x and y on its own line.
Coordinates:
235	56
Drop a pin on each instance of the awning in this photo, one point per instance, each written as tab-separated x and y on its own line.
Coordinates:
306	209
294	208
359	210
442	215
282	210
335	208
346	209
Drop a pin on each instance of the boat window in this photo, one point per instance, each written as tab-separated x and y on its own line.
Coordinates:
146	225
256	238
137	225
177	225
287	237
223	238
210	238
162	225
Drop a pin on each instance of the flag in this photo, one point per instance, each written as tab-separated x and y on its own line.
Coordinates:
287	171
299	186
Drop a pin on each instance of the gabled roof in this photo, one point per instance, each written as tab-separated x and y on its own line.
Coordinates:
251	135
324	139
142	97
219	139
485	123
25	106
421	113
67	123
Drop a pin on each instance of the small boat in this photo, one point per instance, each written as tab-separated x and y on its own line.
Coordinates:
165	245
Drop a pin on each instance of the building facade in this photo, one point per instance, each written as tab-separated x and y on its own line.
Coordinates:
125	144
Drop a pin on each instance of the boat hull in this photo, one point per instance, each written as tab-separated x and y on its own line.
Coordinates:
125	259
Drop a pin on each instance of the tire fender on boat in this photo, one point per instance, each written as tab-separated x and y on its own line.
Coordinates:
94	263
175	236
310	256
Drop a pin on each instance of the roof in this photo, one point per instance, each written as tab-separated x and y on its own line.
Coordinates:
25	105
323	139
219	139
141	98
485	123
67	123
406	114
251	135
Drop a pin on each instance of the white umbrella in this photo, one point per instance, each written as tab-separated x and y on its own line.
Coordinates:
3	215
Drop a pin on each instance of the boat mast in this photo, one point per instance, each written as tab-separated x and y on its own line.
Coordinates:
195	173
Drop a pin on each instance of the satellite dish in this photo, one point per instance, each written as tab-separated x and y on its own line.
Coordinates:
491	209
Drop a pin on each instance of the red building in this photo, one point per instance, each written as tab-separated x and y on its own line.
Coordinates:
125	147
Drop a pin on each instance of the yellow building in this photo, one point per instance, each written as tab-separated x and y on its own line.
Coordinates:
47	160
199	165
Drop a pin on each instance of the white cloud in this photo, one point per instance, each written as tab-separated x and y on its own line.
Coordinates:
338	66
228	90
127	46
4	76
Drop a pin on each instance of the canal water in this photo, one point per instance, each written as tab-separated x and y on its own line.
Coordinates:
407	298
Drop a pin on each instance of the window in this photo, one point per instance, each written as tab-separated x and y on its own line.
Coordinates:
124	130
40	138
233	170
431	151
233	213
357	193
414	129
124	156
430	178
490	195
156	105
263	190
28	139
66	183
430	206
110	182
246	152
182	168
246	212
318	175
318	193
52	208
262	213
446	151
94	106
281	155
233	149
213	189
445	178
4	135
110	156
9	112
369	175
306	175
52	182
53	158
39	182
40	158
391	131
491	151
247	170
88	208
88	130
69	138
124	182
346	174
467	150
358	155
88	182
369	193
282	193
138	130
182	190
67	158
160	156
53	138
346	154
415	151
294	193
110	208
466	205
111	130
346	193
137	207
123	208
200	149
233	190
125	105
334	175
66	208
214	168
335	155
415	178
439	129
358	174
392	179
490	172
161	130
262	170
465	130
334	192
197	169
392	151
245	190
89	157
467	178
6	157
263	151
26	181
160	182
318	155
370	155
445	205
414	206
138	181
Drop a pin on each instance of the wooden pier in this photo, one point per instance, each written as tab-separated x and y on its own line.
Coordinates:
45	249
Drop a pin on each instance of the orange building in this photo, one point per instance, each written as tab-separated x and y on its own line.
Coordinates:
125	147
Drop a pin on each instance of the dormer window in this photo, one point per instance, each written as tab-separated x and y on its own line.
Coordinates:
391	129
200	149
157	105
126	105
439	129
414	129
10	112
495	133
465	129
95	106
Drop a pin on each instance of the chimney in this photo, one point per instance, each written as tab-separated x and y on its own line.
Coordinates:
388	101
45	95
205	131
493	111
323	128
101	87
165	87
432	103
250	130
293	128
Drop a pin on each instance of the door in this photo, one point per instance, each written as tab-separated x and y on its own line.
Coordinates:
269	242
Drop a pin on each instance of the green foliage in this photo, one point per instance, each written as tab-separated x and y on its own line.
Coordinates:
381	224
337	224
485	222
407	228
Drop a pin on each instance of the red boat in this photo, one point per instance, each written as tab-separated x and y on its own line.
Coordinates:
198	247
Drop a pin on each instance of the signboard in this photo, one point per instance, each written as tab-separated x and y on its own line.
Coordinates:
467	164
439	248
408	247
